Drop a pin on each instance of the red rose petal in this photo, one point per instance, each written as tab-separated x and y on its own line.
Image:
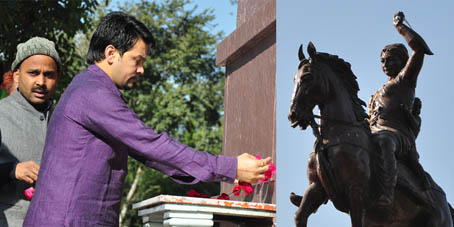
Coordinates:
224	196
29	192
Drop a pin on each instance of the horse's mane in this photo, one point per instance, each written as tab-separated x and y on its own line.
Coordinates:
343	71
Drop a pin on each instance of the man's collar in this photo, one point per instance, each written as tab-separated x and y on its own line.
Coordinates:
104	78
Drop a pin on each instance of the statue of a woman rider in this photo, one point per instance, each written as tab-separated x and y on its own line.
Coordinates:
394	110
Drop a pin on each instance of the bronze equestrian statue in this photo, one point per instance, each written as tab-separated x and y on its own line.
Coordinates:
391	107
367	166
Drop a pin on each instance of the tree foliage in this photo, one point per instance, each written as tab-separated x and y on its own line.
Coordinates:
55	20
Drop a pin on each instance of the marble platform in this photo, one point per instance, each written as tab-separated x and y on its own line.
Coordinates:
166	210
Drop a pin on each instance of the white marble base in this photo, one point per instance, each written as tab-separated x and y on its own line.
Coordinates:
165	210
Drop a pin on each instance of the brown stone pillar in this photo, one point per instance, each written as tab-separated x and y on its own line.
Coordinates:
249	55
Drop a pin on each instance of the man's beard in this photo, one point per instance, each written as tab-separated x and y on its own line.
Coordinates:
130	83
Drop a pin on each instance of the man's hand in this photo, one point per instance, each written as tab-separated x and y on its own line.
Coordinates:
27	171
250	169
399	17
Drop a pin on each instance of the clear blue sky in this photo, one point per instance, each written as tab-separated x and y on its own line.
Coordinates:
224	11
357	31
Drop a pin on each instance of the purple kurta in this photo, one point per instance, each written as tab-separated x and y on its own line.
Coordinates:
84	164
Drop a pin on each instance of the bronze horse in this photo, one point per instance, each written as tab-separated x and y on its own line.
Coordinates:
342	167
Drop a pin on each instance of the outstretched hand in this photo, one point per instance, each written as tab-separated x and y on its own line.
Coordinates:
250	169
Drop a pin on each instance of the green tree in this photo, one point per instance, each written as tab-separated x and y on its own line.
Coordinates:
58	21
181	92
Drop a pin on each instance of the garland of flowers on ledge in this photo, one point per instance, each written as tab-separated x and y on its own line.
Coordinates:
240	186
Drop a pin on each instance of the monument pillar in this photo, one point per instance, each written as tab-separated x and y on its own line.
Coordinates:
249	55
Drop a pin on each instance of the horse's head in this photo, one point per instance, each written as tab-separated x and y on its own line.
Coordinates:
310	88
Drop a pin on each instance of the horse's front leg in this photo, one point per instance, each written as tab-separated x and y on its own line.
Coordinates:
314	196
357	209
352	164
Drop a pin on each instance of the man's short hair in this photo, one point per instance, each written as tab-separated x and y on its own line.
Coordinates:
120	30
399	49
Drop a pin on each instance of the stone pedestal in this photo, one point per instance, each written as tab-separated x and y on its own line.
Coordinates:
165	210
249	55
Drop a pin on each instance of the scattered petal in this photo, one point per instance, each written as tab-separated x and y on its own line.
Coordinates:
223	196
247	188
194	193
236	190
29	192
269	173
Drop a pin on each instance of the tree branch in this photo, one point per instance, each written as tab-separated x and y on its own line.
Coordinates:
131	192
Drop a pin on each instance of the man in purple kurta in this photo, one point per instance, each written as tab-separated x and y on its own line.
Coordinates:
92	132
